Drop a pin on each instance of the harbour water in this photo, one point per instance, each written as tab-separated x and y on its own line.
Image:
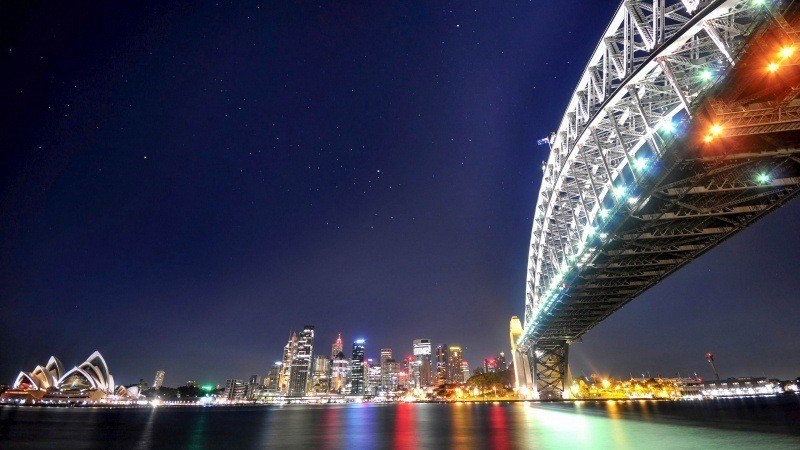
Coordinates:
735	423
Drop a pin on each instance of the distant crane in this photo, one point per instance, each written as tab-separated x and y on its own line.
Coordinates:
710	359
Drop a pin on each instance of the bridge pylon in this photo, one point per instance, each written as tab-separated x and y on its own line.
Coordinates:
551	369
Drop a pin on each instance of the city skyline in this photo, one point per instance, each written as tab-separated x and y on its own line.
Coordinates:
379	185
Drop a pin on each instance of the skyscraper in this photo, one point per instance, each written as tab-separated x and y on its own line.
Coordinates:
386	355
357	368
336	348
340	372
422	363
501	362
159	381
465	371
390	377
289	352
442	355
454	359
321	379
272	380
301	363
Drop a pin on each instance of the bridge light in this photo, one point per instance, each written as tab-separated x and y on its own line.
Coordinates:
759	2
786	51
716	129
667	126
708	138
640	164
773	67
763	178
603	235
603	213
633	200
620	191
706	75
590	230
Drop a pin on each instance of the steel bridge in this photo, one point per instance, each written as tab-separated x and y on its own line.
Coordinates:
683	130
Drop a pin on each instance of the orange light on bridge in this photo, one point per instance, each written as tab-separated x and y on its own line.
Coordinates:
773	67
716	129
786	51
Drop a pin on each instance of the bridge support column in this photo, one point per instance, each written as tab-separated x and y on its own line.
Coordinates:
551	369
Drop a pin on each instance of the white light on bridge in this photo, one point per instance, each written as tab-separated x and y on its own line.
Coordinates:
763	178
706	75
641	164
620	191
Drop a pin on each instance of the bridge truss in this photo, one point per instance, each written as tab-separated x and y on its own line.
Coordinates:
630	191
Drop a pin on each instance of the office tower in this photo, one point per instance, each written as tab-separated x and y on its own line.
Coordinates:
523	378
501	362
442	355
464	371
289	352
272	381
234	390
321	380
301	363
251	389
374	370
357	378
390	375
422	363
454	358
340	372
159	381
336	348
386	353
490	365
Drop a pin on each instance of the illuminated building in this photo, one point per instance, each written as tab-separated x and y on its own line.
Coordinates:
390	375
465	371
321	379
234	390
272	380
490	365
421	369
300	380
386	355
357	379
159	381
731	387
373	377
337	347
252	387
442	355
501	362
289	351
454	360
89	381
340	372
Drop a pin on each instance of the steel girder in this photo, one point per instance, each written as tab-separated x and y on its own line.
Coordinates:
619	198
551	371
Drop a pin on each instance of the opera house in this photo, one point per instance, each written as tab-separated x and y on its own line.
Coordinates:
88	382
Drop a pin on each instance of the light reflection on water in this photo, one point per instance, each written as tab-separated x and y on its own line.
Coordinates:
622	424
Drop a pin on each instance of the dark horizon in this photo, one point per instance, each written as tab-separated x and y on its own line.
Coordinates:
182	185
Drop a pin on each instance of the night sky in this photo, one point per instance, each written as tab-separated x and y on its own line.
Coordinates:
181	185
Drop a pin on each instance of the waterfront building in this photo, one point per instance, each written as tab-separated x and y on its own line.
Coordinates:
340	373
731	387
159	381
357	378
454	359
337	347
252	387
90	381
300	380
234	390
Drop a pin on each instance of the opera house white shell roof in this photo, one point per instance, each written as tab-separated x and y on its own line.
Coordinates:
92	374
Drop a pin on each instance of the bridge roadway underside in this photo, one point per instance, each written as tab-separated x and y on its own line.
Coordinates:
700	195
